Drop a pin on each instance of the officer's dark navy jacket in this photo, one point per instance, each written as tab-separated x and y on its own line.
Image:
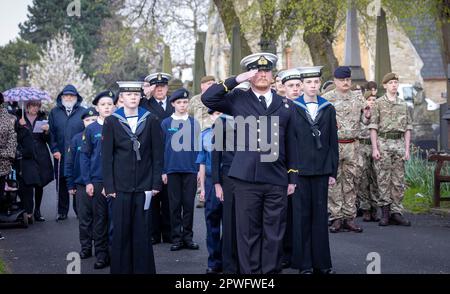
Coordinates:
153	106
72	167
91	154
313	161
247	165
183	161
122	171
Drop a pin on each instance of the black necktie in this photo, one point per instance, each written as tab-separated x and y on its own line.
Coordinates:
161	104
262	99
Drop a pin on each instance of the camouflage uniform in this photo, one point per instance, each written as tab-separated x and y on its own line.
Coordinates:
200	112
367	184
342	196
391	120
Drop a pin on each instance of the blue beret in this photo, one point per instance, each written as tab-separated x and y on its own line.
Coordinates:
89	112
179	94
342	72
108	94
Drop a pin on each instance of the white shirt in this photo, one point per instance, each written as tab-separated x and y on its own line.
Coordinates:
312	109
267	95
177	117
100	121
132	121
163	101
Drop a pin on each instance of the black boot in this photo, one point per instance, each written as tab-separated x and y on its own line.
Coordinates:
398	219
384	216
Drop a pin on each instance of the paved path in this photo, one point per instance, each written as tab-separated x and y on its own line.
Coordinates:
422	248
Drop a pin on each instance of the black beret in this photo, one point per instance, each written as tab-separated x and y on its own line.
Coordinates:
89	112
342	72
210	111
179	94
108	94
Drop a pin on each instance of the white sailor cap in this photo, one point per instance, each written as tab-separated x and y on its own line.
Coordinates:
158	78
289	74
310	71
130	86
261	60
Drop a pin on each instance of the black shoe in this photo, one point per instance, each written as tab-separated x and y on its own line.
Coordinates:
286	264
212	271
1	237
306	271
101	264
30	220
38	217
154	241
326	271
176	246
61	217
191	245
85	254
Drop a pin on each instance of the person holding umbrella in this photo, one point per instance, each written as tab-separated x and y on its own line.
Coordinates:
65	121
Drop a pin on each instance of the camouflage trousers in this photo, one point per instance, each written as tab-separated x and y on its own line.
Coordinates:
367	186
342	196
390	171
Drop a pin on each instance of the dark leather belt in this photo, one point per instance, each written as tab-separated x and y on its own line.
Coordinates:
392	135
365	141
346	141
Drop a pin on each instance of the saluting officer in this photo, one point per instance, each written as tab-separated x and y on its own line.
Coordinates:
156	101
262	177
131	164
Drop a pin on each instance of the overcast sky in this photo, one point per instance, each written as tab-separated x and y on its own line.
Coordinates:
12	12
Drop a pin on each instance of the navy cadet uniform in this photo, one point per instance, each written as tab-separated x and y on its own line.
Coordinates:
318	156
181	170
131	164
221	164
260	186
160	203
72	171
213	206
96	208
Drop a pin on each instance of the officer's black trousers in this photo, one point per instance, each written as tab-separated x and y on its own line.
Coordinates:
260	226
132	250
310	226
229	244
161	216
287	240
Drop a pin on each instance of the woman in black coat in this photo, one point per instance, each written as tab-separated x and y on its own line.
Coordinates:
41	139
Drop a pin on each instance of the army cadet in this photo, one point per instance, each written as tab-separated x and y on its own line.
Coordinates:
262	177
349	111
390	133
155	88
200	112
131	164
367	184
318	157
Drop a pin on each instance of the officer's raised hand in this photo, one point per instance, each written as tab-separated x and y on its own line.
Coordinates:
245	76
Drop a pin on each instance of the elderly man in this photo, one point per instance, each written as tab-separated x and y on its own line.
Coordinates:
65	121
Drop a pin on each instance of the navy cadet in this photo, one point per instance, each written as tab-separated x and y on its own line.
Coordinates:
96	205
262	177
213	204
290	79
156	101
224	188
76	185
132	164
318	161
180	169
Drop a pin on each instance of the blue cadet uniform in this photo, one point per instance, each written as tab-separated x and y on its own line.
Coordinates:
160	203
213	206
318	156
131	164
181	170
261	175
75	180
96	208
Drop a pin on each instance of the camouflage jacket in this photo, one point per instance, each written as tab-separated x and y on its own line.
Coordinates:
200	112
8	139
389	116
349	115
